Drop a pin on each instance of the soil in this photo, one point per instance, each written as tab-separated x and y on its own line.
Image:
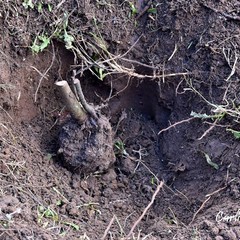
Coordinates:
80	146
153	134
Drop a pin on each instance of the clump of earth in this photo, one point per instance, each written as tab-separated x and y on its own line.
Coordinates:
87	148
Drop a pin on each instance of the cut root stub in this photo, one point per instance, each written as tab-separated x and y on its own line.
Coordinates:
87	148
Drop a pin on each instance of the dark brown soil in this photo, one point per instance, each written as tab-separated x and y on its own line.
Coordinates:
87	148
42	199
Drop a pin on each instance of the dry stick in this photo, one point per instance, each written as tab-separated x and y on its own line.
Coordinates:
108	228
71	102
82	99
208	130
145	210
44	74
175	124
201	207
110	59
120	69
237	18
204	203
173	53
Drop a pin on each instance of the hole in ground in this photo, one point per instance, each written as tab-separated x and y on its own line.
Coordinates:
148	111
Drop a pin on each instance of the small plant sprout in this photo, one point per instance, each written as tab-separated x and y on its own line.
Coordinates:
235	133
40	7
67	38
120	148
46	213
49	7
100	73
59	203
28	4
40	43
134	10
154	180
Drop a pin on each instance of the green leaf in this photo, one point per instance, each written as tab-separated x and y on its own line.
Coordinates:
68	39
39	8
133	8
101	74
40	43
49	7
210	162
59	202
45	42
235	133
28	4
152	10
73	225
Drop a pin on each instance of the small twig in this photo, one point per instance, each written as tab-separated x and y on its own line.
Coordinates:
58	192
217	191
174	216
89	109
44	74
208	130
61	3
204	203
119	69
10	58
108	228
140	63
122	117
6	112
201	207
175	124
237	18
145	210
173	53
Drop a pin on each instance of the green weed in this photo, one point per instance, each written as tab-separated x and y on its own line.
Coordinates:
235	133
152	10
40	43
28	4
46	213
120	148
133	9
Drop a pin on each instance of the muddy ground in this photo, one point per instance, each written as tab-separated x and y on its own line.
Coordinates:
181	57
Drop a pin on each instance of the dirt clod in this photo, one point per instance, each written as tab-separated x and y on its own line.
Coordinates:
87	148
